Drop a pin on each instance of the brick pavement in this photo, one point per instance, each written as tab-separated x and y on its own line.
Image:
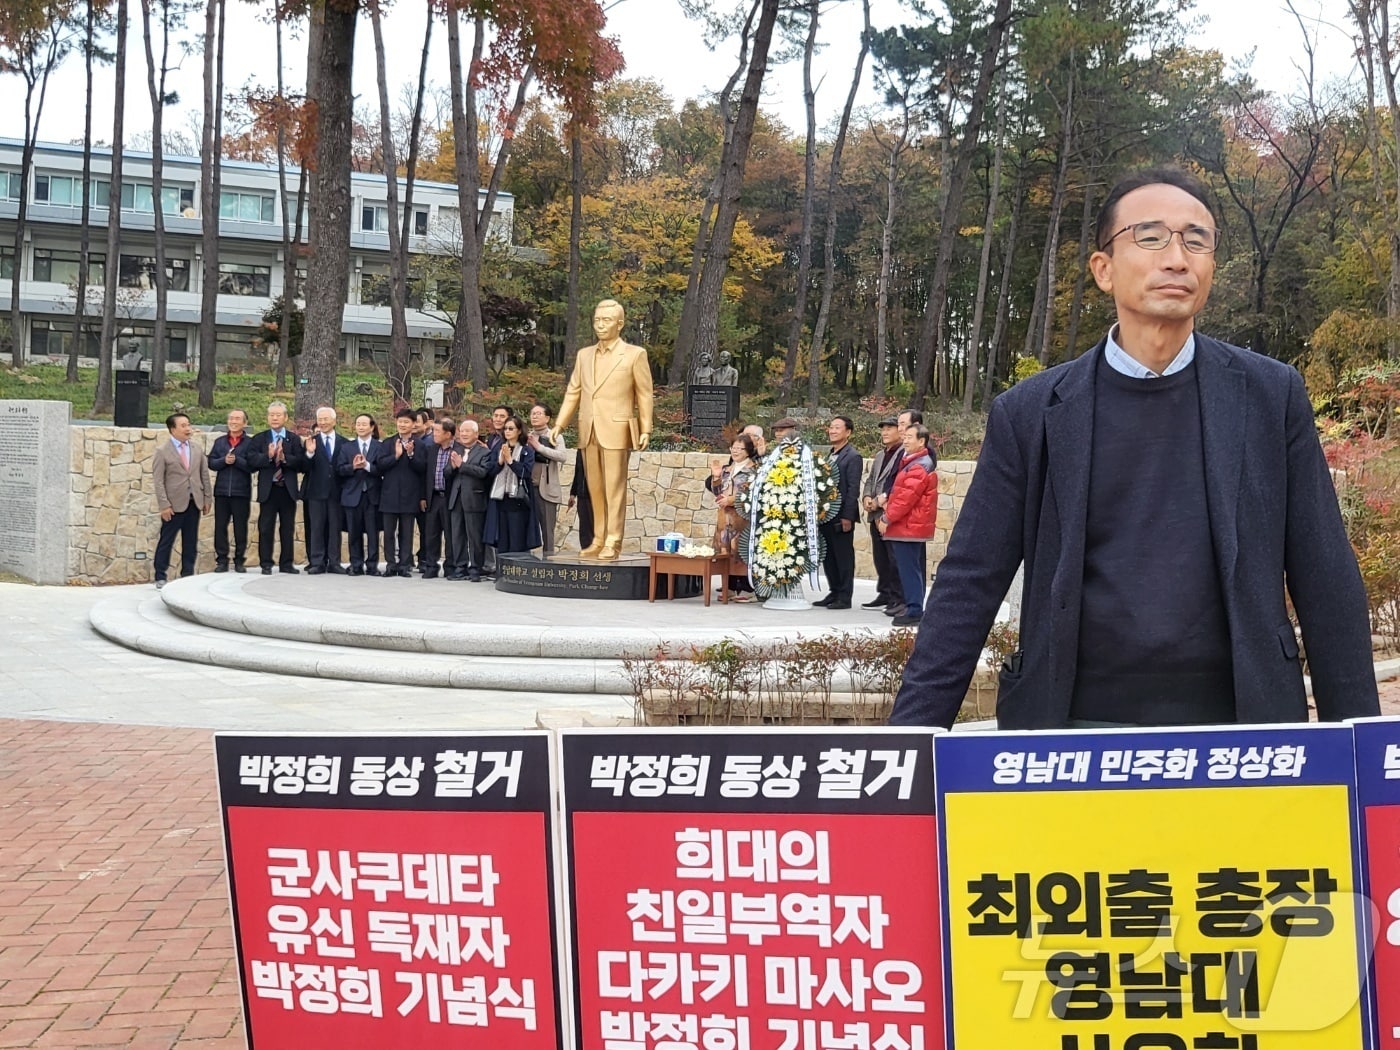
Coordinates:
114	926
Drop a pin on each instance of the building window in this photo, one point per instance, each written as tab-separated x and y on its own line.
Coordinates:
139	271
374	291
7	263
245	207
420	222
244	279
232	345
67	190
10	184
55	338
175	200
374	219
60	267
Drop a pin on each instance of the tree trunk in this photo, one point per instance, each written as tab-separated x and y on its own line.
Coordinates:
838	150
102	397
415	133
1076	306
1018	200
1389	71
35	70
687	330
80	312
809	211
155	85
400	357
1366	54
984	266
882	287
210	157
289	262
468	355
575	253
329	275
727	211
468	340
932	332
1052	235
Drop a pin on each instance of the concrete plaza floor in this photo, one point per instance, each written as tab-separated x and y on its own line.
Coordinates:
114	925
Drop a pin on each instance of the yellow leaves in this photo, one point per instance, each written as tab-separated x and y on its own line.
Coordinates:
638	237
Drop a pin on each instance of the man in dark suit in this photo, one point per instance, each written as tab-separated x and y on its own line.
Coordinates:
469	469
400	468
233	491
889	593
423	438
355	461
1161	489
278	456
839	561
437	461
321	491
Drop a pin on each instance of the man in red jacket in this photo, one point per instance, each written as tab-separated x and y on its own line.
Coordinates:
911	510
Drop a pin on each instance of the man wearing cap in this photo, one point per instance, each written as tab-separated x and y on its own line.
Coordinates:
888	595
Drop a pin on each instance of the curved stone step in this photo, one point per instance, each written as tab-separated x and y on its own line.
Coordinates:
147	624
519	625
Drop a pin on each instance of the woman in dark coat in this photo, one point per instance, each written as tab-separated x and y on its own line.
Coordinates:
511	524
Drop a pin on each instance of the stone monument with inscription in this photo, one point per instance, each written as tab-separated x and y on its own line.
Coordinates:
34	486
712	398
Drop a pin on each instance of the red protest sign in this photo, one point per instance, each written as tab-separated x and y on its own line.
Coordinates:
392	891
753	889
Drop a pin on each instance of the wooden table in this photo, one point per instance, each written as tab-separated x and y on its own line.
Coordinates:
673	565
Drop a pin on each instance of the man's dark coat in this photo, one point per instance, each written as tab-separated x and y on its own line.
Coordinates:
1273	517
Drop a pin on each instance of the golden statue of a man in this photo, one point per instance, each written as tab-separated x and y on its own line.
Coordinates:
611	392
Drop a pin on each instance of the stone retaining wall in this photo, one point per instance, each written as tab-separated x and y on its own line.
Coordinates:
113	521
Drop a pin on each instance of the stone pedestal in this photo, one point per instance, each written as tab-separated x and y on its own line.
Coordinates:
34	483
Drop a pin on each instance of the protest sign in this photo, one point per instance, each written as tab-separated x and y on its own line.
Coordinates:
737	889
393	891
1163	889
1378	796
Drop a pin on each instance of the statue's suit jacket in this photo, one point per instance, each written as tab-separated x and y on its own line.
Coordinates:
612	395
1273	518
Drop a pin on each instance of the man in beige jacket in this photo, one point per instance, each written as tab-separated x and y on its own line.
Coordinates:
183	490
610	391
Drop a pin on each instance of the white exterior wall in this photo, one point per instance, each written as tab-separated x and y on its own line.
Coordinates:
256	243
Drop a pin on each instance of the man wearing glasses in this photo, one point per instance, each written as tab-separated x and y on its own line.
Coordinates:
1163	489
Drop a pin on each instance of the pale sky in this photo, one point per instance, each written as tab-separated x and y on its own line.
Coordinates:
657	41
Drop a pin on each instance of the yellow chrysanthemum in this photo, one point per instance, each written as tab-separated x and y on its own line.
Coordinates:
773	542
782	474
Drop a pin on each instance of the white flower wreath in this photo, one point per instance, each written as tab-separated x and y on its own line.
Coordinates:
792	493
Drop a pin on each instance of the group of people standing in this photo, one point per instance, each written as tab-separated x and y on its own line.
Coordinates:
465	497
899	498
469	496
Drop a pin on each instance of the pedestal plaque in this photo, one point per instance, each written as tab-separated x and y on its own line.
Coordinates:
34	489
565	576
711	409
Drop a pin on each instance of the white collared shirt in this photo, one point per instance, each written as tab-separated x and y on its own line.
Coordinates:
1121	361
